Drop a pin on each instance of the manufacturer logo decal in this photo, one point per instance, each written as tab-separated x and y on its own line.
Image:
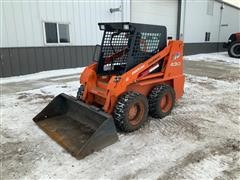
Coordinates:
137	70
176	56
174	64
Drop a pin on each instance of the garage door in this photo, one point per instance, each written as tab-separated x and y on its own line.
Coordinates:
158	12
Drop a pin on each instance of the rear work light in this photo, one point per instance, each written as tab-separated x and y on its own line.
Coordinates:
102	27
126	26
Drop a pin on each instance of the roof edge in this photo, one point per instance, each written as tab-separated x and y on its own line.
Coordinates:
229	4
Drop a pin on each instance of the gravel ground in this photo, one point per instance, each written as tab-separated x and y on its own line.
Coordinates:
199	140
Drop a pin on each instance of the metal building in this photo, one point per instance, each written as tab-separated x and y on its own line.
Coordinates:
206	24
44	35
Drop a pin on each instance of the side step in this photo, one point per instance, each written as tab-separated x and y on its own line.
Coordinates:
79	128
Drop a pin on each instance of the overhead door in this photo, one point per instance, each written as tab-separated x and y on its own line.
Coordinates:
158	12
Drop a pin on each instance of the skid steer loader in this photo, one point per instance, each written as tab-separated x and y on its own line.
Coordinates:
138	72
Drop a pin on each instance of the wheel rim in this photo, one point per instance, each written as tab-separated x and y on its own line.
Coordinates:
135	113
236	49
166	102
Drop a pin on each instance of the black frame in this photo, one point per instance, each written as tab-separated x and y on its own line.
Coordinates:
133	54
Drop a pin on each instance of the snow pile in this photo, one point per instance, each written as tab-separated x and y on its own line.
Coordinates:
42	75
213	57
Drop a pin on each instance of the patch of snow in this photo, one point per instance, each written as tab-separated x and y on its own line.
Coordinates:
213	57
69	88
198	171
42	75
205	115
63	78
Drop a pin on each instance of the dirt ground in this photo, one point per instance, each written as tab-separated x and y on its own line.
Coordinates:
199	140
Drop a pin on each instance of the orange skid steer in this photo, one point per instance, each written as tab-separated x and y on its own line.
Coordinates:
138	73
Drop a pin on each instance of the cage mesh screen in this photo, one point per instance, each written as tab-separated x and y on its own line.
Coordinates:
117	55
146	44
115	44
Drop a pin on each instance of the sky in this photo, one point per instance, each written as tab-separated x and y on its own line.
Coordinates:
234	2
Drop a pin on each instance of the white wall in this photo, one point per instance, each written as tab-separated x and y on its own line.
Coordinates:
196	22
23	21
230	22
158	12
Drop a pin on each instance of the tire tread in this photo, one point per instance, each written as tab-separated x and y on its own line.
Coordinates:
153	100
119	113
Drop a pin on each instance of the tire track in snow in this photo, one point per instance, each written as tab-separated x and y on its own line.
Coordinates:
212	159
177	126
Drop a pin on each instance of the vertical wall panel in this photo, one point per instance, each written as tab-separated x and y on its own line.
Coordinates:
126	10
54	57
78	57
1	63
27	22
74	18
36	23
84	55
73	56
3	25
14	61
70	57
32	60
11	28
60	57
1	68
47	58
67	57
69	19
81	58
6	62
23	60
39	59
89	54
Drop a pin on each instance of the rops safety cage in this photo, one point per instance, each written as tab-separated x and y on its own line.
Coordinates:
124	45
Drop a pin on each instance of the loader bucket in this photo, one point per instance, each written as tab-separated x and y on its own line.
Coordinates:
79	128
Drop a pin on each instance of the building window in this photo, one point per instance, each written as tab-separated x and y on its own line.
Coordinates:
56	33
207	36
210	7
63	33
51	32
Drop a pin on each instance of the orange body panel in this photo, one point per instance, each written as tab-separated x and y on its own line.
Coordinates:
103	91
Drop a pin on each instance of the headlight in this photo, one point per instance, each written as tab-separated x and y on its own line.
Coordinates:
126	26
102	27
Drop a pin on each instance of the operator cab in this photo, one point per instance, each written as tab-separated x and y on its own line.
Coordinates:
125	45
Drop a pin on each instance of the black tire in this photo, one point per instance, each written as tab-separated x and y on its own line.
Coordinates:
130	112
234	49
156	97
80	92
